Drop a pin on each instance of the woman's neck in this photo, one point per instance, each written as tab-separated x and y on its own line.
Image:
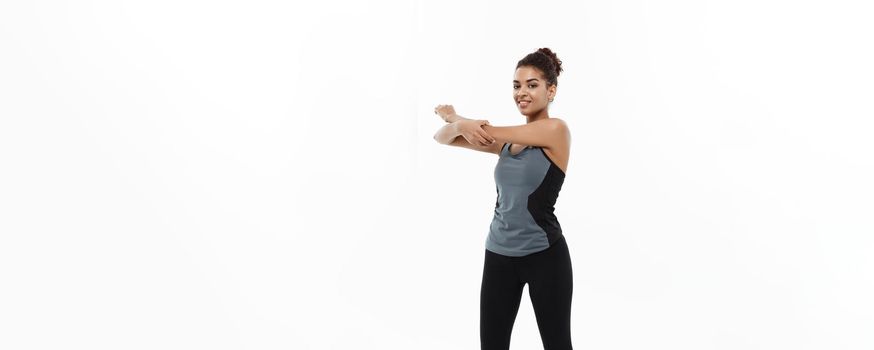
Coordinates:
544	114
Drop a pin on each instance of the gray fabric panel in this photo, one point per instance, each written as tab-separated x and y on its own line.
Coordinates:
513	231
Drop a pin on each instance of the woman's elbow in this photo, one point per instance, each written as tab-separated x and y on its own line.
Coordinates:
436	138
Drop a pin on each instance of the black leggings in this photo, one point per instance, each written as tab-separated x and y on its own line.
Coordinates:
550	285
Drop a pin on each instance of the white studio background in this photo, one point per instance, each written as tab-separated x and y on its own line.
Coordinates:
261	175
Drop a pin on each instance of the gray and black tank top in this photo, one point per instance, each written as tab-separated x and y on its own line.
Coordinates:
527	184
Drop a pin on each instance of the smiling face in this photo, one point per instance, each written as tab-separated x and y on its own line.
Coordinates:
529	85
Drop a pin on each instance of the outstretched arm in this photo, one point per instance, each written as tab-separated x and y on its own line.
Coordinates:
470	130
549	133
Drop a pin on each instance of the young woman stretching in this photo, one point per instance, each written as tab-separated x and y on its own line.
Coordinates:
525	243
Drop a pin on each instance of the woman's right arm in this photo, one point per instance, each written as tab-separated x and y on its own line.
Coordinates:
447	133
470	130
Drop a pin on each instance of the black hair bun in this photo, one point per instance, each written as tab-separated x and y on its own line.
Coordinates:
553	57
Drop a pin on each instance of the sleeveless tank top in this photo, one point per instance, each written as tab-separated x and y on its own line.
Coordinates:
527	186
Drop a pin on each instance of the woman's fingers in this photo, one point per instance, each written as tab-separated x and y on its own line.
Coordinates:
476	135
489	139
475	138
482	140
486	136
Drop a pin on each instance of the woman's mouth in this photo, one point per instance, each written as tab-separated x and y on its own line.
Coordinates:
523	104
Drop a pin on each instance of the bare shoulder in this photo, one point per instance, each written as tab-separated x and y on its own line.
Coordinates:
558	123
560	128
561	136
559	150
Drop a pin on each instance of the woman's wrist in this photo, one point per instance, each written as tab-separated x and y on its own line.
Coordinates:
453	118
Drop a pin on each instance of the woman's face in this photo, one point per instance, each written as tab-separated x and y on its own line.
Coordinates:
528	85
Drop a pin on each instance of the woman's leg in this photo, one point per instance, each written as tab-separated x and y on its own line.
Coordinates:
500	295
550	285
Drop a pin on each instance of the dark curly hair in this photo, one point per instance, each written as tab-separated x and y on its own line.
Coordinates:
546	61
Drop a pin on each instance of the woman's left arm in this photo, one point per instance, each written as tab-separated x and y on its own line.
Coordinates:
549	133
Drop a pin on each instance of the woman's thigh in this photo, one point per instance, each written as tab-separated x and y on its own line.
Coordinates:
500	295
550	286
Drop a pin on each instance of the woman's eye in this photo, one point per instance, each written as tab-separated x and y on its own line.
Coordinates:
533	86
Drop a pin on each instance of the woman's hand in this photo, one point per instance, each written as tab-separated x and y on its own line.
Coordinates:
472	131
444	111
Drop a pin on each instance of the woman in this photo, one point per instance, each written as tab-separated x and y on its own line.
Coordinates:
525	243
